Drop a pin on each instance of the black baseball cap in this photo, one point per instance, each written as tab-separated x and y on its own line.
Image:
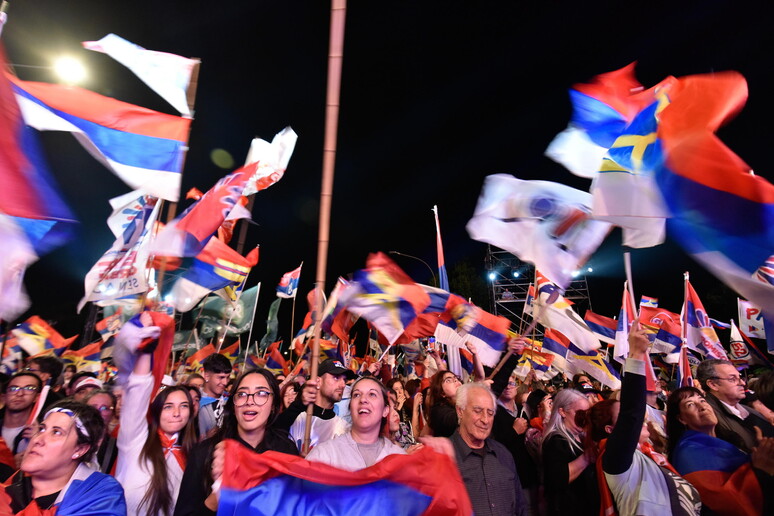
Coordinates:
334	367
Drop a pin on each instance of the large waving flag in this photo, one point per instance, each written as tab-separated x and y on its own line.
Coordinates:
288	285
603	327
560	315
216	267
663	328
29	194
85	359
699	333
751	321
36	336
443	277
122	270
336	320
167	74
699	173
547	224
593	363
425	483
142	147
487	332
17	255
385	296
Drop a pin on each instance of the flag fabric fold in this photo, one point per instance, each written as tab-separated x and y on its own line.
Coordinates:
142	147
122	270
288	285
167	74
424	483
216	267
547	224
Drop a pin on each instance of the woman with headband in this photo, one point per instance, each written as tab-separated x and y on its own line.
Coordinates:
55	477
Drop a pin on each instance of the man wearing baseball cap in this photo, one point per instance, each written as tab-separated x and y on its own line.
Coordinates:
326	424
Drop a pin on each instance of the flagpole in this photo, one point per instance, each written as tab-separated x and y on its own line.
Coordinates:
252	324
293	309
335	59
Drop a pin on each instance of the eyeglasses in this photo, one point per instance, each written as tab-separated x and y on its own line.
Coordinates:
104	408
24	390
31	370
452	379
736	380
259	398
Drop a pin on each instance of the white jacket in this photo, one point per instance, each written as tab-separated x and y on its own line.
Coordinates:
133	474
341	452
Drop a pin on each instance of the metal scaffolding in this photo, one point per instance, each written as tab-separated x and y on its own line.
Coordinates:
509	280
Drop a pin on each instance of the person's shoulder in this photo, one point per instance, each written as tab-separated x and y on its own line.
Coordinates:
391	448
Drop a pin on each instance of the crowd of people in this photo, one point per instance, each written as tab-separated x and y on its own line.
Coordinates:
520	446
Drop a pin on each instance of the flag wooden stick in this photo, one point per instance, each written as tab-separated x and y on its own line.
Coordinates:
335	59
628	269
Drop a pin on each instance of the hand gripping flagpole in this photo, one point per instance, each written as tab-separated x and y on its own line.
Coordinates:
335	58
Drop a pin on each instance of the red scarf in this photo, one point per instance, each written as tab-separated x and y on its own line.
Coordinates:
173	447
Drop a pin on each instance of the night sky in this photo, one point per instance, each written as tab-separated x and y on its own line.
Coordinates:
435	97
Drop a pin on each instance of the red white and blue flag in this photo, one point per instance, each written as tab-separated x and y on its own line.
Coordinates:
144	148
288	285
603	327
425	483
699	333
216	267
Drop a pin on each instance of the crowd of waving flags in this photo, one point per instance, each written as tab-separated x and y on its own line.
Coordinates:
657	170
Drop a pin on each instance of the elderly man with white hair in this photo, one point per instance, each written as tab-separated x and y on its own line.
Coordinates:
486	466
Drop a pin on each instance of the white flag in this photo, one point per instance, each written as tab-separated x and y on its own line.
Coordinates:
122	269
169	75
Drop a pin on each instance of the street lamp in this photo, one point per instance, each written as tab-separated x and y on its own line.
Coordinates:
435	283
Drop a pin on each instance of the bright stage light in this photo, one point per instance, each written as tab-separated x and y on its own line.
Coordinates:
575	274
589	269
492	276
515	274
70	70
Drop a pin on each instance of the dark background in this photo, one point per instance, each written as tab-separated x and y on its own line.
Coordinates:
436	95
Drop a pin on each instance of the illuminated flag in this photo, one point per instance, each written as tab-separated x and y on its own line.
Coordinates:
557	344
560	316
751	321
17	255
122	270
237	318
336	320
167	74
647	301
288	285
443	277
142	147
489	333
603	327
425	483
594	364
385	296
663	328
547	224
216	267
700	335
